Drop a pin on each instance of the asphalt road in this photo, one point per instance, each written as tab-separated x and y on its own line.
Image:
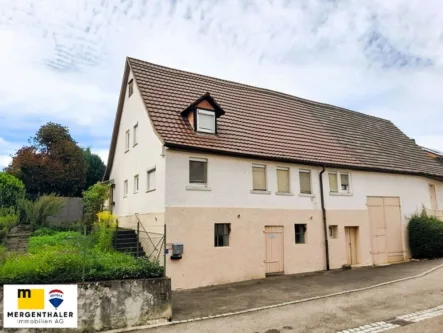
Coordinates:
331	314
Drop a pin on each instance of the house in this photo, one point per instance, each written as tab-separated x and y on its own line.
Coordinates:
255	182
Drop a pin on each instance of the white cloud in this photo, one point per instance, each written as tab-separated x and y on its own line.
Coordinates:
64	60
103	153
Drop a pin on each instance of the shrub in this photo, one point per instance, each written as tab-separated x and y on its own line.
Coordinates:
103	230
36	212
11	190
93	201
8	218
425	236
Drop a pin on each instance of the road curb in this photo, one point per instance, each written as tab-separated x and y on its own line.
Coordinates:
304	300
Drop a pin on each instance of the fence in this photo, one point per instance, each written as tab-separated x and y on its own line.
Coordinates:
152	243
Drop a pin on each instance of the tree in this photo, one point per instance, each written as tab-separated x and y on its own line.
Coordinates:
12	190
95	168
52	163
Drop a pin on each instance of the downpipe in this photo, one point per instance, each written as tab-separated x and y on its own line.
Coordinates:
325	223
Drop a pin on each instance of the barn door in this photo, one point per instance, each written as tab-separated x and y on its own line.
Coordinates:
274	249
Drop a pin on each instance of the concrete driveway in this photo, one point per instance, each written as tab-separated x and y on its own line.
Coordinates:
207	301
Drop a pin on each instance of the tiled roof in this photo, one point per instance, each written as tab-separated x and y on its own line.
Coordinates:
272	125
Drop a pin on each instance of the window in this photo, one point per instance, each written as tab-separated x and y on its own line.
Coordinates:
339	182
205	121
136	183
198	171
134	135
333	182
333	231
300	233
305	181
259	177
150	175
283	180
221	234
130	87
125	188
127	137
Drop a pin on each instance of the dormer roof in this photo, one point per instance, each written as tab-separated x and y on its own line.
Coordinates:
207	102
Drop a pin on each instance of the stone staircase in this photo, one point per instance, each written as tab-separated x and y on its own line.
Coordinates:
17	239
126	241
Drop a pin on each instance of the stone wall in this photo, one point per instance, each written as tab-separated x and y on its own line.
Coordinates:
116	304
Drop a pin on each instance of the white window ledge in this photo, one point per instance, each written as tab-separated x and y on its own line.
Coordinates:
260	192
341	194
284	193
309	195
197	188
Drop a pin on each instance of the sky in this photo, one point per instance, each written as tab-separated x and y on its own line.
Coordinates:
63	61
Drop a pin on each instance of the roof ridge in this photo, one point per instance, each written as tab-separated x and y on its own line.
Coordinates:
266	90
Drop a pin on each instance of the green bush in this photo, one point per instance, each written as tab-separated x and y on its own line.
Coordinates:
93	201
8	219
36	212
425	236
103	230
62	257
12	190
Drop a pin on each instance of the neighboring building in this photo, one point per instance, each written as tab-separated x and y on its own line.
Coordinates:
235	173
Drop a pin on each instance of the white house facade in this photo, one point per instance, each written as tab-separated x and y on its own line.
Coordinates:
246	206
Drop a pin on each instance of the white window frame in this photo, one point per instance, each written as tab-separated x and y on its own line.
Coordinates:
127	140
308	171
149	171
136	183
207	113
263	166
134	135
196	159
125	188
339	189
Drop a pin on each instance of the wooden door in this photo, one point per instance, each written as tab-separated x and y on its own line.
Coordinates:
351	238
433	195
274	249
377	220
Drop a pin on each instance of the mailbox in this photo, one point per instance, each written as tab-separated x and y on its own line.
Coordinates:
177	250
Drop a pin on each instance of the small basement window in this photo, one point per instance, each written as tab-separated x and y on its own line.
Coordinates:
221	234
198	168
205	121
333	231
300	233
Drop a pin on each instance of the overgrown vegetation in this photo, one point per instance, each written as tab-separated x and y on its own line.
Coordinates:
36	212
64	257
93	201
8	219
11	190
425	236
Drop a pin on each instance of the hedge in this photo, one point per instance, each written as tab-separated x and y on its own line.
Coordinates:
425	236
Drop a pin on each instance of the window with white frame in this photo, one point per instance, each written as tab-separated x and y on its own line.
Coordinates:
127	140
339	182
130	87
134	135
150	176
259	177
283	180
198	171
125	188
136	183
205	121
305	181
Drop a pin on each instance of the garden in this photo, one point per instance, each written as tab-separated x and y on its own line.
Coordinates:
76	252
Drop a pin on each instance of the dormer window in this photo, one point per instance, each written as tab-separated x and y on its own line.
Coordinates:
205	121
202	115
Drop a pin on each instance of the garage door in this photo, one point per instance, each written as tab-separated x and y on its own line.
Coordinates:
386	228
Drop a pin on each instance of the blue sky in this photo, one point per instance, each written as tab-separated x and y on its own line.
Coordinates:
62	61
